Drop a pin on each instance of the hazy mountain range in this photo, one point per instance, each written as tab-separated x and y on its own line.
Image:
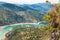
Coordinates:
16	13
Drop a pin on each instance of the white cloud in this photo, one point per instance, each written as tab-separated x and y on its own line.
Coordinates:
54	1
28	1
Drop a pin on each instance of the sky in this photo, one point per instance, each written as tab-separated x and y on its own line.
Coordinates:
28	1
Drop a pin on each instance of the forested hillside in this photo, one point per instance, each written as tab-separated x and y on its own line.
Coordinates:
12	13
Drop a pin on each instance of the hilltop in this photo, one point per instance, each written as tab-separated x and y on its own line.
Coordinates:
12	13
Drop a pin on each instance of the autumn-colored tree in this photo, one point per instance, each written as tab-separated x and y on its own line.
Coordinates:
54	22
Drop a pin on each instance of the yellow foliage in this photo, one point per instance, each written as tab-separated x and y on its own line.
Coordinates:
52	12
47	1
45	37
46	17
58	20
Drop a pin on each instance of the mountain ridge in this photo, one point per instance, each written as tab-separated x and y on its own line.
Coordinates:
12	13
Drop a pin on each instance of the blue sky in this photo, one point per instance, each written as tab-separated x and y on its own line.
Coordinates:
28	1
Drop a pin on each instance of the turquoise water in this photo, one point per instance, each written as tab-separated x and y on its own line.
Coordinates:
4	30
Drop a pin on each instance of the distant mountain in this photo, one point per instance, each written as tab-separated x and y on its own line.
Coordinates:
12	13
38	7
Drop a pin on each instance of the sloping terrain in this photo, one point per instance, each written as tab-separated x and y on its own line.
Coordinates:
12	13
